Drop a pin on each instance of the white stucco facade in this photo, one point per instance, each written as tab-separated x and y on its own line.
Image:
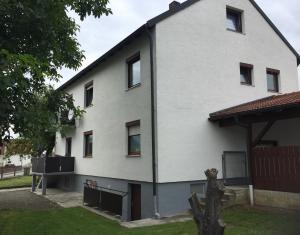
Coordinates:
197	72
113	106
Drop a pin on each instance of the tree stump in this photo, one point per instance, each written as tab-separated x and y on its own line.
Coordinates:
207	215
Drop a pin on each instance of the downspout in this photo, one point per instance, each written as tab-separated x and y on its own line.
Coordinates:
153	131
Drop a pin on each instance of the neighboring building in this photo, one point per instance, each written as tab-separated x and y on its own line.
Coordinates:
146	130
16	160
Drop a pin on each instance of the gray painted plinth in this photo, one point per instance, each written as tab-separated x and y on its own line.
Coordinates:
172	197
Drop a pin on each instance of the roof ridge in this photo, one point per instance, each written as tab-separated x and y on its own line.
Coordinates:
170	12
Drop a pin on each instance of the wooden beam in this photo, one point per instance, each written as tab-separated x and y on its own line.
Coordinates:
262	133
239	123
261	117
272	116
39	183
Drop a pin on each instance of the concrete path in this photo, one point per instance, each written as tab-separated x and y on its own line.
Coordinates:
153	222
24	199
63	198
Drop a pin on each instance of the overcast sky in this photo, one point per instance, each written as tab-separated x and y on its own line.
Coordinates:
97	36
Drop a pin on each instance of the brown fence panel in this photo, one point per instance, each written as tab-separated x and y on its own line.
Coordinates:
277	168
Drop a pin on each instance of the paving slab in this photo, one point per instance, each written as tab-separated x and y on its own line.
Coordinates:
63	198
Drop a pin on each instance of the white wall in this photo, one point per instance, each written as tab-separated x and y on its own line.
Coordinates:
198	73
285	132
113	107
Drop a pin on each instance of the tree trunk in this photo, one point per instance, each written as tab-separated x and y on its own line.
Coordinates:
207	216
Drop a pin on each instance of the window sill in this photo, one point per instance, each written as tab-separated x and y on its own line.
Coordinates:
246	84
133	87
90	106
234	31
276	92
87	157
133	156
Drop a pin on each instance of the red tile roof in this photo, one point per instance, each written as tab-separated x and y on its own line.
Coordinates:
274	102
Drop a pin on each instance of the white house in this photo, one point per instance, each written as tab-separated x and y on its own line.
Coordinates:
146	131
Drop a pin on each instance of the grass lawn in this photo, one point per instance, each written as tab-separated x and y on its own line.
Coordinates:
16	182
240	221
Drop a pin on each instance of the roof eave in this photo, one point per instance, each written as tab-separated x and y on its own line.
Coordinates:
150	24
216	118
105	56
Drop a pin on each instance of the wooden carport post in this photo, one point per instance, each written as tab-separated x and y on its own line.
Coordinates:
250	145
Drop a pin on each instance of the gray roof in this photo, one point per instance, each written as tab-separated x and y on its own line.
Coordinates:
151	23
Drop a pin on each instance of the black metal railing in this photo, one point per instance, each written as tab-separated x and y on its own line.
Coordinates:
53	164
105	199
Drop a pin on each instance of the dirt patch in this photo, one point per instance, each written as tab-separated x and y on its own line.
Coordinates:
24	199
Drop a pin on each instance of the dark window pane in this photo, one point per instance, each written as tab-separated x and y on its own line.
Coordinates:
246	75
231	22
89	145
68	147
89	96
272	82
134	145
234	20
134	72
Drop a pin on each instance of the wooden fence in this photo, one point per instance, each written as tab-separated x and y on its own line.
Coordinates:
277	168
9	170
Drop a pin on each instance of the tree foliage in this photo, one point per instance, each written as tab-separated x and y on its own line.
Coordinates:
37	38
42	119
19	146
41	122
